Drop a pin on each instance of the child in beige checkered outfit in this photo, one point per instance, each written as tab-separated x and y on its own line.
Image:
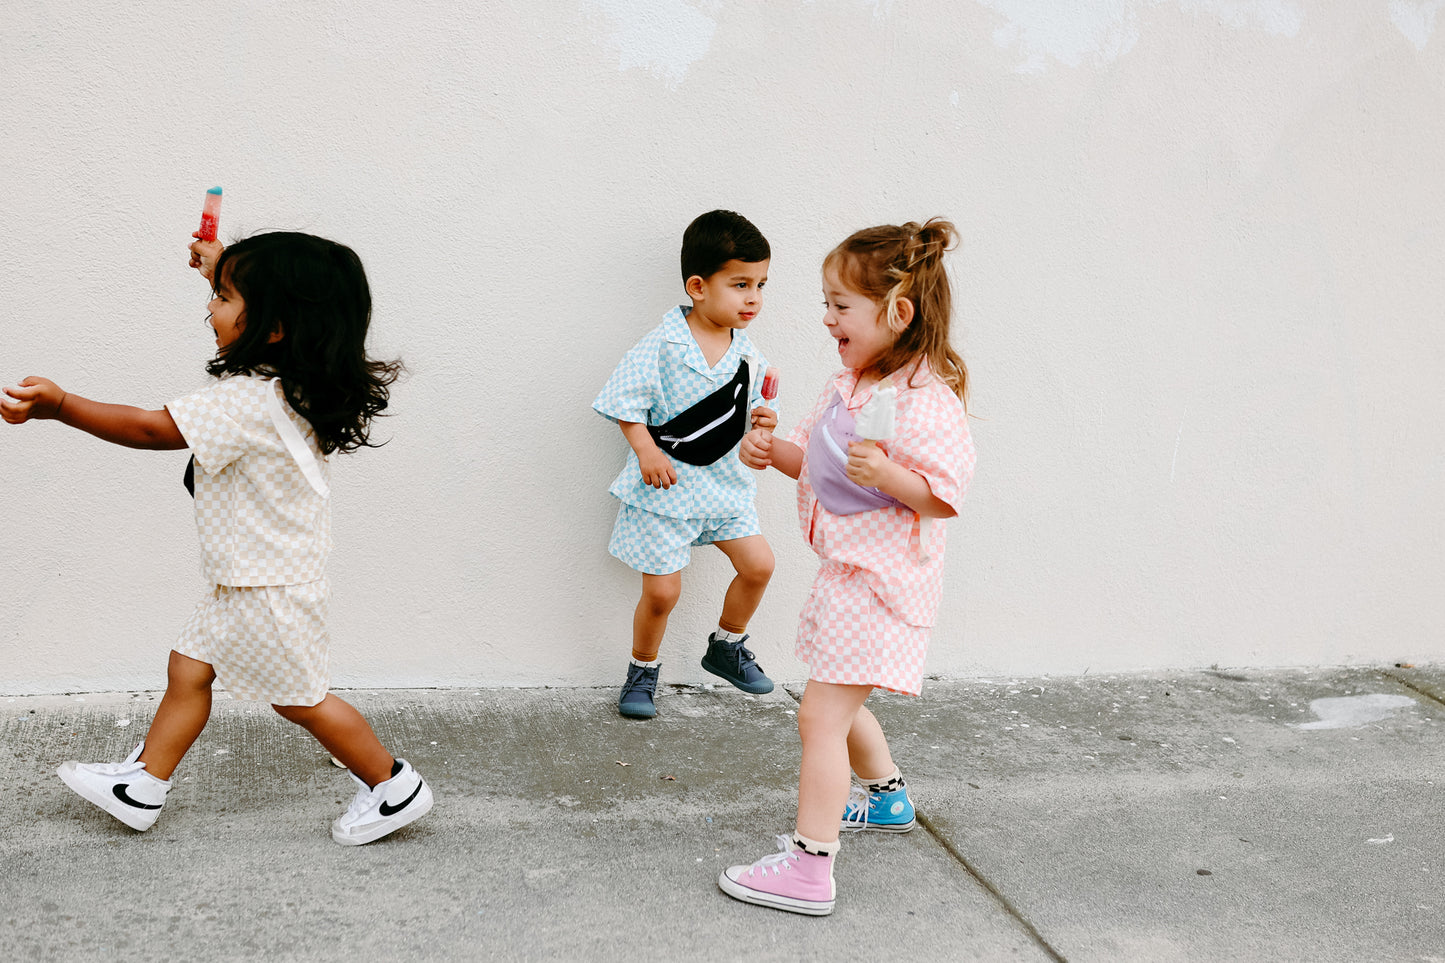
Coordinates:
290	312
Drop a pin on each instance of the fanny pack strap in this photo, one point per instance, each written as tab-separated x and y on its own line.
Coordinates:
295	444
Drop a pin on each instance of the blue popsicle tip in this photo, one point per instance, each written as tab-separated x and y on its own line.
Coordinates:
214	190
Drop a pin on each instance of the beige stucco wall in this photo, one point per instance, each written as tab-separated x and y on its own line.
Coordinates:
1200	295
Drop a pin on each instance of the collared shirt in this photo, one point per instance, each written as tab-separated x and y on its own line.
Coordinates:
662	376
259	519
931	438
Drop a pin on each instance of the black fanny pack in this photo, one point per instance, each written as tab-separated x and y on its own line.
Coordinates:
709	429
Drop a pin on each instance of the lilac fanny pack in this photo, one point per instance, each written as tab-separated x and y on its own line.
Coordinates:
828	465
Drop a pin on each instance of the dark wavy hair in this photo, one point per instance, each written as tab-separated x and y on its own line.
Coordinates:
307	311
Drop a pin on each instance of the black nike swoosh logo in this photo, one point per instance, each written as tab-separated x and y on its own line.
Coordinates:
124	797
388	810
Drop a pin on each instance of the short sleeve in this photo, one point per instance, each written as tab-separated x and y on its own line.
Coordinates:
632	391
934	441
210	422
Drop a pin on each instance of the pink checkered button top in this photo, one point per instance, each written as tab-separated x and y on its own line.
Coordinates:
931	438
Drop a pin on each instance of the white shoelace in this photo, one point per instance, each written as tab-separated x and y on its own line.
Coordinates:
363	799
858	805
778	861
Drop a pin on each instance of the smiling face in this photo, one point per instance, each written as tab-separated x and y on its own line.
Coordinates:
856	322
732	296
228	314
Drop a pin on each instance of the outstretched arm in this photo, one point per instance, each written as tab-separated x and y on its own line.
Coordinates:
41	399
761	450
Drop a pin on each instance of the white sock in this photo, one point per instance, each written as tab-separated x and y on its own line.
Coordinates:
646	665
723	635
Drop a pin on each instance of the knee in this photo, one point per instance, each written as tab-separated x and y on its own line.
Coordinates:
659	597
183	672
811	722
296	714
757	568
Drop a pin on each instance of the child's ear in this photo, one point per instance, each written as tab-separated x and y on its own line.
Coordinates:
900	315
276	335
696	287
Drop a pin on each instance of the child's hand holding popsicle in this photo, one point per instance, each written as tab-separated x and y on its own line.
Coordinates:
204	255
867	463
756	450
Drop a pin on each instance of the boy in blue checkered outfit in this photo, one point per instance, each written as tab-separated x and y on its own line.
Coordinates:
683	397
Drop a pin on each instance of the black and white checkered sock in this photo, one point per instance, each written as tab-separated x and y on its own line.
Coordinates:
890	783
813	846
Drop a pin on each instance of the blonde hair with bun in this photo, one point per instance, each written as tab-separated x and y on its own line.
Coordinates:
891	263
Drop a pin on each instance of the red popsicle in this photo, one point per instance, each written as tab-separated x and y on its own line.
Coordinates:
210	215
770	384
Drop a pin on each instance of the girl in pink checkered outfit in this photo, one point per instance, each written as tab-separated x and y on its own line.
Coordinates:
882	461
294	384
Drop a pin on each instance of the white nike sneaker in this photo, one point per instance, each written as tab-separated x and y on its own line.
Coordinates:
123	789
383	809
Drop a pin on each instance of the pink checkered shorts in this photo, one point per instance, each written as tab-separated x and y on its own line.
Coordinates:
848	636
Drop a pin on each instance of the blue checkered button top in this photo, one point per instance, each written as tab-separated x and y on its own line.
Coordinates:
663	375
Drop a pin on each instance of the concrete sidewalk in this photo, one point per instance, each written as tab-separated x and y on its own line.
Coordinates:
1205	816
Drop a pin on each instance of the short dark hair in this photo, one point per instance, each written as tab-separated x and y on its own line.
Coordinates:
717	237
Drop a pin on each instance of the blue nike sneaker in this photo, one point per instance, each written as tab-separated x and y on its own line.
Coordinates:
879	812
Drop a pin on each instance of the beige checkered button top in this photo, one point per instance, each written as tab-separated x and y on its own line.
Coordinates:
260	521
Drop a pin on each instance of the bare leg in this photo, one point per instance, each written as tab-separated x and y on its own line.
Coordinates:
752	559
868	749
181	716
345	734
825	718
649	623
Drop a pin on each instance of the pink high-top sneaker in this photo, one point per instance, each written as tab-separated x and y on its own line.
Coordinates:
789	880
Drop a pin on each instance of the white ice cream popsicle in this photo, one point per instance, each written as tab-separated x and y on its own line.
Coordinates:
874	421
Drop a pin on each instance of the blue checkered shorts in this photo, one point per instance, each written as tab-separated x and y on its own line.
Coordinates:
660	545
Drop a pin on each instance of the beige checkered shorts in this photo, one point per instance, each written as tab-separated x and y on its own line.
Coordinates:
267	642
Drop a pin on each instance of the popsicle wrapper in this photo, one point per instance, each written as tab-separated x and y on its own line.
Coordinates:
875	421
